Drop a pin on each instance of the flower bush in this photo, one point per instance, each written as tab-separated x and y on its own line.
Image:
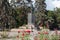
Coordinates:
41	35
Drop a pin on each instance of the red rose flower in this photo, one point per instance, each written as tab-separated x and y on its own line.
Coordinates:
45	32
45	39
23	34
28	31
19	31
38	32
17	36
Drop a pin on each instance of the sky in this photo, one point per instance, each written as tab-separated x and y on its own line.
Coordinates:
51	4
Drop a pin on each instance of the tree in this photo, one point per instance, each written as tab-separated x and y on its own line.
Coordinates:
22	16
53	19
7	15
22	9
57	14
40	7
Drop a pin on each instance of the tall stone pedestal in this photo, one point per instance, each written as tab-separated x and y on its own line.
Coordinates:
31	20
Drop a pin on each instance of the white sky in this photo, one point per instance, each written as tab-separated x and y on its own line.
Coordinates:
51	4
56	3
